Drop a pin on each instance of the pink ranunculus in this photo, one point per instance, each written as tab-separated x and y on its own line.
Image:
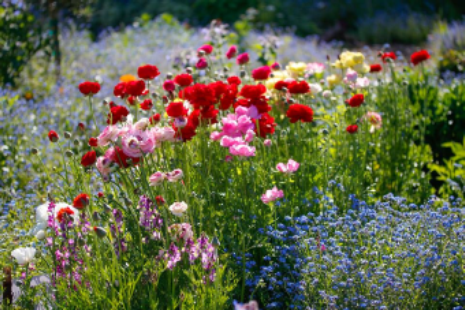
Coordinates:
374	119
242	59
242	150
215	135
109	134
362	82
232	52
142	124
157	178
201	63
103	166
315	68
249	135
261	73
230	127
207	48
290	167
227	141
267	142
136	142
161	134
245	123
275	66
169	86
174	175
272	194
351	76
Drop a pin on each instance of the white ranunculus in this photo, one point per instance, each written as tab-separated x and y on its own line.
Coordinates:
24	255
178	208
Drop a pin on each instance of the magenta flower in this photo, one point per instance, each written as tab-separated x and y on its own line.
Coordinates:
290	167
136	142
169	86
242	59
272	194
201	63
232	52
215	135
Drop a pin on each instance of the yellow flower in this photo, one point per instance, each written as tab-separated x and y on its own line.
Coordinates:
349	60
296	68
127	78
333	80
28	95
271	82
282	75
361	68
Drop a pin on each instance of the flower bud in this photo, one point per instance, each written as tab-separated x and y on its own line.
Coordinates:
69	153
154	95
67	135
101	232
96	216
76	142
107	208
201	53
242	73
225	69
34	151
169	75
189	70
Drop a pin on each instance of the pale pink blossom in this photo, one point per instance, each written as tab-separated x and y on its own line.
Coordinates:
157	178
136	142
267	142
242	150
272	194
290	167
374	119
315	68
174	175
362	82
109	134
103	166
215	135
142	124
351	76
161	134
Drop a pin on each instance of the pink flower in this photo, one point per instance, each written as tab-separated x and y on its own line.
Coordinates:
242	59
169	86
174	175
249	135
272	194
161	134
261	73
157	178
207	48
201	63
142	124
227	141
351	76
109	134
103	166
362	82
315	67
232	52
136	142
275	66
375	120
290	167
215	135
267	142
242	150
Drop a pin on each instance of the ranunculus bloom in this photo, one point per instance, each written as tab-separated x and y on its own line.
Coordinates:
117	114
266	125
178	208
53	136
290	167
376	68
137	142
174	175
24	256
135	88
157	178
419	57
242	59
163	134
301	87
261	74
352	129
155	118
120	90
169	86
388	55
82	126
176	109
119	157
275	66
146	105
281	85
252	91
234	80
89	88
356	100
200	95
109	134
242	150
148	72
64	212
232	52
267	142
142	124
89	158
201	63
81	201
207	48
374	119
183	79
93	142
299	112
272	194
103	166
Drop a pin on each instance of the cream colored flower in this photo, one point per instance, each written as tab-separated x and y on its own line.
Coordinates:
24	255
178	208
296	69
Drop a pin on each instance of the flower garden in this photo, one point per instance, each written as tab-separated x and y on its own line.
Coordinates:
174	169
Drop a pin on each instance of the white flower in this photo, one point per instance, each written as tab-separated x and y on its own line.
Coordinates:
315	88
178	208
40	234
24	255
42	217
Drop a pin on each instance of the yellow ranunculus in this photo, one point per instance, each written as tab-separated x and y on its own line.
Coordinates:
349	60
271	82
282	75
333	80
361	68
296	68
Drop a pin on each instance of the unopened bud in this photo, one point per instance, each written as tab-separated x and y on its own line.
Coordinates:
67	135
242	73
225	69
76	142
201	53
189	70
34	151
96	216
154	95
169	75
216	242
69	153
100	232
107	208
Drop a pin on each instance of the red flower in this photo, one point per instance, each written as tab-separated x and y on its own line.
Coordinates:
120	90
232	52
112	104
242	59
89	88
53	136
280	85
219	88
234	80
261	104
356	100
176	109
300	112
64	212
155	118
117	114
229	97
146	104
252	91
419	57
201	63
295	87
187	132
183	80
82	126
132	100
275	66
390	55
121	159
352	129
199	95
376	68
81	201
89	158
93	142
266	125
160	200
148	72
262	73
100	195
135	88
208	49
169	86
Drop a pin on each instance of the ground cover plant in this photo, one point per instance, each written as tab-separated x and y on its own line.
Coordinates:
174	174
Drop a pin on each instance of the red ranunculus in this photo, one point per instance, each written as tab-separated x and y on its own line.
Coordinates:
266	125
262	73
232	52
301	87
160	200
242	59
81	201
419	57
219	88
207	48
169	86
352	129
199	95
64	212
201	63
53	136
229	97
117	114
100	195
252	91
89	88
261	103
234	80
89	158
146	104
183	80
135	88
187	132
93	142
176	109
299	112
356	100
280	85
121	159
120	90
376	68
132	100
82	126
275	66
148	72
387	55
155	118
